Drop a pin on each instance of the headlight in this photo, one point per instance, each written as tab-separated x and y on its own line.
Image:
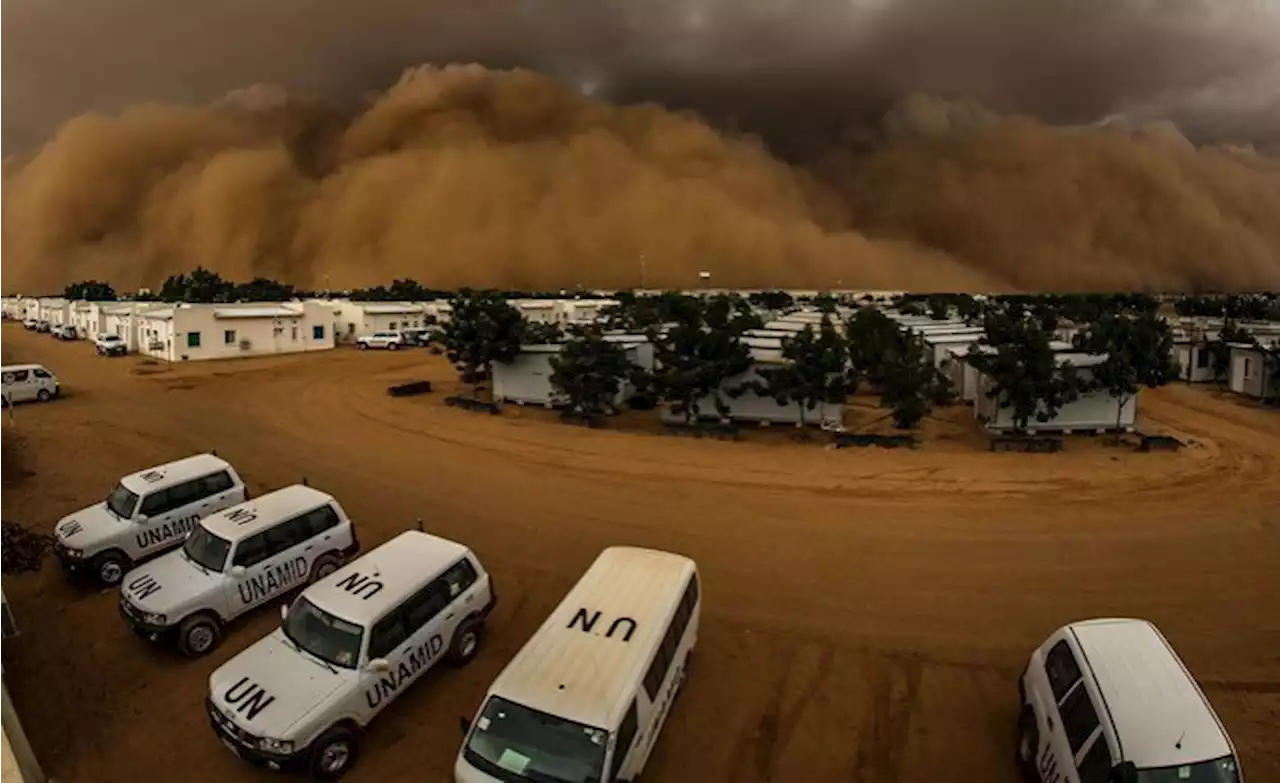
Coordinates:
275	745
154	619
74	554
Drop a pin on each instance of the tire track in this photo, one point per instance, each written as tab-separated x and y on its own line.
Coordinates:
895	696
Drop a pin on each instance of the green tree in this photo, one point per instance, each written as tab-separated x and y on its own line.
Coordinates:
912	385
261	289
201	286
90	290
484	329
541	333
869	336
589	370
813	372
1139	353
772	300
1024	370
1220	348
696	350
23	549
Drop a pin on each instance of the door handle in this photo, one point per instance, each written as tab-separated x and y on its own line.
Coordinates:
450	615
1048	719
308	547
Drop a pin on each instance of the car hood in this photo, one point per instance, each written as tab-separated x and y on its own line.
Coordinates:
271	686
89	527
168	583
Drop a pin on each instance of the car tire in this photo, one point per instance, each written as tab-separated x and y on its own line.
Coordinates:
333	754
198	635
43	395
362	346
392	346
1028	743
110	567
465	644
323	566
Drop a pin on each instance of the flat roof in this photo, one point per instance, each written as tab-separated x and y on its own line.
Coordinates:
385	308
264	511
398	567
162	313
590	677
1159	713
161	476
257	312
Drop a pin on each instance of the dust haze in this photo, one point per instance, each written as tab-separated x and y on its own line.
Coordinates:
914	144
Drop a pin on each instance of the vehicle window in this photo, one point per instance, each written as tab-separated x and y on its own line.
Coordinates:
657	673
547	748
18	375
1221	770
626	735
1095	767
121	502
206	549
387	635
41	373
1079	719
156	503
184	494
322	519
284	535
429	602
459	578
218	482
251	551
327	637
1060	664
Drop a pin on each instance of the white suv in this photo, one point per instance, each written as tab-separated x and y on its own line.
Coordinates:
148	513
109	345
389	340
234	562
350	644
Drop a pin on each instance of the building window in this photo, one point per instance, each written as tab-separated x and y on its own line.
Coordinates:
392	326
229	336
317	332
193	339
1202	357
293	334
1248	369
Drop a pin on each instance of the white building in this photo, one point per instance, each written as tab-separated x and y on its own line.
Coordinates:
941	344
1092	411
1194	360
1252	371
352	320
55	310
537	311
183	332
526	380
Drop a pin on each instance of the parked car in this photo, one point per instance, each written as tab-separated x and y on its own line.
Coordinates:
109	345
388	340
42	326
418	336
29	324
25	382
65	332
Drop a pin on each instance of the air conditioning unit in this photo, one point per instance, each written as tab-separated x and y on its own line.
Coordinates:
155	345
245	345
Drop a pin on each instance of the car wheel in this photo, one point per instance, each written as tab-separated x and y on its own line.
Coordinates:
323	566
1028	744
466	643
392	346
333	754
362	346
43	395
110	568
198	635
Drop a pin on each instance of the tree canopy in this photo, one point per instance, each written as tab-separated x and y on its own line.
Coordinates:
698	352
90	290
1139	353
1024	369
484	329
912	383
870	335
589	370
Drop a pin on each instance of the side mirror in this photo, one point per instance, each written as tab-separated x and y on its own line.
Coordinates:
465	724
237	570
1124	772
379	665
141	518
284	611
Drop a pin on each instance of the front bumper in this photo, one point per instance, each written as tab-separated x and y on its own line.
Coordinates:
140	626
76	565
245	745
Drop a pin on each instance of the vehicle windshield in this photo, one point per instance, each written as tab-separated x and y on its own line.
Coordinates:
206	549
328	638
1223	770
122	502
515	743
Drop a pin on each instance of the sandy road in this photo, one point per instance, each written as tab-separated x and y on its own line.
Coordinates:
866	615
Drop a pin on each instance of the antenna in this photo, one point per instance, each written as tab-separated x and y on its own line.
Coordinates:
421	529
305	483
1178	744
214	452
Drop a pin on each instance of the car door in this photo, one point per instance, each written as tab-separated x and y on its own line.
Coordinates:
18	387
42	379
463	590
387	638
218	491
273	564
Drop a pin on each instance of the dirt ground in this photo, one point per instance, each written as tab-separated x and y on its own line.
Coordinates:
867	612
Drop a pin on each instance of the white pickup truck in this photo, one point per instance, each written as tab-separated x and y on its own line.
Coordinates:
109	345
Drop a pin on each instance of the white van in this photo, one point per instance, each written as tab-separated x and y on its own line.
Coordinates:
148	513
585	698
26	382
349	645
1109	701
236	561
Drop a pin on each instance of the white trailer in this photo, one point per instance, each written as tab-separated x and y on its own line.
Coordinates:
526	380
1095	411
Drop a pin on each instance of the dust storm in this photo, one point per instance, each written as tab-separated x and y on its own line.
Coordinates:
600	176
